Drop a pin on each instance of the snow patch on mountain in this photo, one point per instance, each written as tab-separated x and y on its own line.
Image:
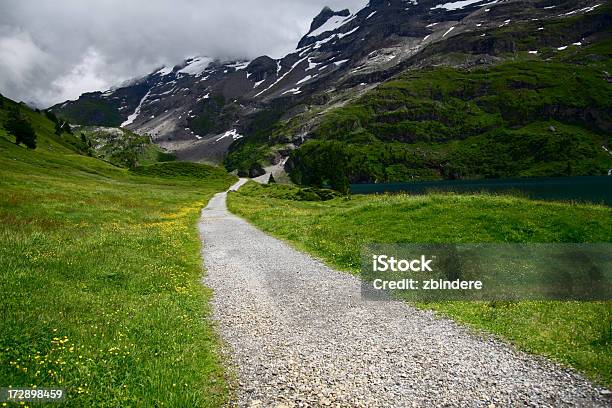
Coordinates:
456	5
293	91
284	75
239	65
318	44
163	71
134	115
331	25
230	133
311	65
195	66
305	79
342	35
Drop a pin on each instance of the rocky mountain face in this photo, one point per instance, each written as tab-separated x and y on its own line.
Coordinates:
324	16
260	111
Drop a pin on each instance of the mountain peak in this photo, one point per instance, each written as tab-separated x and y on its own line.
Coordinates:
325	14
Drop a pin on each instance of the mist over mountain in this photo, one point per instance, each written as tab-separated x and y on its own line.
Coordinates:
52	51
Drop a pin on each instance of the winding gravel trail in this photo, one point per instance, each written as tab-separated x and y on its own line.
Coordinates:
299	334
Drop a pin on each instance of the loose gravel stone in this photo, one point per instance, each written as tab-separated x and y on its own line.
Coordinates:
299	335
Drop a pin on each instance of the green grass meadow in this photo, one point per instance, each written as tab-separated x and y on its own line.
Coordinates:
101	279
578	334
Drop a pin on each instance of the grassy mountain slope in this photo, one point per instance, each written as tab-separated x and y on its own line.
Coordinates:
101	278
575	333
527	118
121	147
47	139
92	111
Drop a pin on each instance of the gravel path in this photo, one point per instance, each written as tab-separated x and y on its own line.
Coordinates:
299	334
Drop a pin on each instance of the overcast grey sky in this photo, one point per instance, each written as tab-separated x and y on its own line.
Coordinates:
53	50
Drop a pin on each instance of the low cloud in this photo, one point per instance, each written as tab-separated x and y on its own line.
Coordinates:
51	51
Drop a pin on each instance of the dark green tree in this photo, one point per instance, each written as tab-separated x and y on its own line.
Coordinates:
66	128
20	127
58	128
51	116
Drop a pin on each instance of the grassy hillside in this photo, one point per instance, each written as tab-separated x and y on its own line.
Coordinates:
575	333
122	147
525	118
180	170
92	111
101	279
48	140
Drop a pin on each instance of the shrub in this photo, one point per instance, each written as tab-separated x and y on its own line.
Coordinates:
66	128
256	170
51	116
21	128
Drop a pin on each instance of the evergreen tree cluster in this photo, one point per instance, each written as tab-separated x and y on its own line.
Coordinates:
61	126
20	127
